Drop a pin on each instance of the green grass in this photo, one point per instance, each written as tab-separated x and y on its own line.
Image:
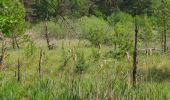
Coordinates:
97	80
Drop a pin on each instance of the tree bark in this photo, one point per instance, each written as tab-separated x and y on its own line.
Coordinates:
40	61
16	42
165	45
18	68
13	41
135	57
162	39
46	36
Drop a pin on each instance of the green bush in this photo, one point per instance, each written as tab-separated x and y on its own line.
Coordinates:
95	55
55	29
120	52
119	17
94	29
80	65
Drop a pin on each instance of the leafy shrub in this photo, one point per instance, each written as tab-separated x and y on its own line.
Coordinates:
65	59
80	65
120	52
96	55
95	36
119	17
30	49
94	29
146	25
54	28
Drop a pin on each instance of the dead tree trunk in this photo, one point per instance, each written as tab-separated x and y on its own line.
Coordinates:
13	41
165	45
18	68
47	37
40	61
135	57
162	39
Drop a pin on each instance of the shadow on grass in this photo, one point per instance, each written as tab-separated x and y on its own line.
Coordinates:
158	75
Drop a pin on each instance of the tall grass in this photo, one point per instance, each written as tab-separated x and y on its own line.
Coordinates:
100	80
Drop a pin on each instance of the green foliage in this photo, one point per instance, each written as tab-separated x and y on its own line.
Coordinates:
94	29
80	65
138	7
12	16
123	27
65	59
146	27
6	25
106	7
95	80
119	17
43	8
95	54
120	52
95	36
78	7
122	24
55	29
30	49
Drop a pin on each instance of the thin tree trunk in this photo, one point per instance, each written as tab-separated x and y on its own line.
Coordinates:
165	45
40	61
18	68
46	36
16	42
135	57
13	41
162	39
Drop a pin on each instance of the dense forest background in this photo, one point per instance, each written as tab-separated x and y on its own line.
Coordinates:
41	9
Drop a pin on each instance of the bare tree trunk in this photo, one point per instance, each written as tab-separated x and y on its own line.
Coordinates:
18	67
135	57
162	39
13	41
165	45
40	61
46	36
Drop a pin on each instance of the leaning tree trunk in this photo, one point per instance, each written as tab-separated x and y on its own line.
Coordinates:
47	37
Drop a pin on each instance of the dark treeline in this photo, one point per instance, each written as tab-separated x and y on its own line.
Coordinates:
40	9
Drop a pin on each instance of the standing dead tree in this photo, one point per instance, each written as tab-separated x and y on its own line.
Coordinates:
40	62
165	37
50	46
135	57
18	68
